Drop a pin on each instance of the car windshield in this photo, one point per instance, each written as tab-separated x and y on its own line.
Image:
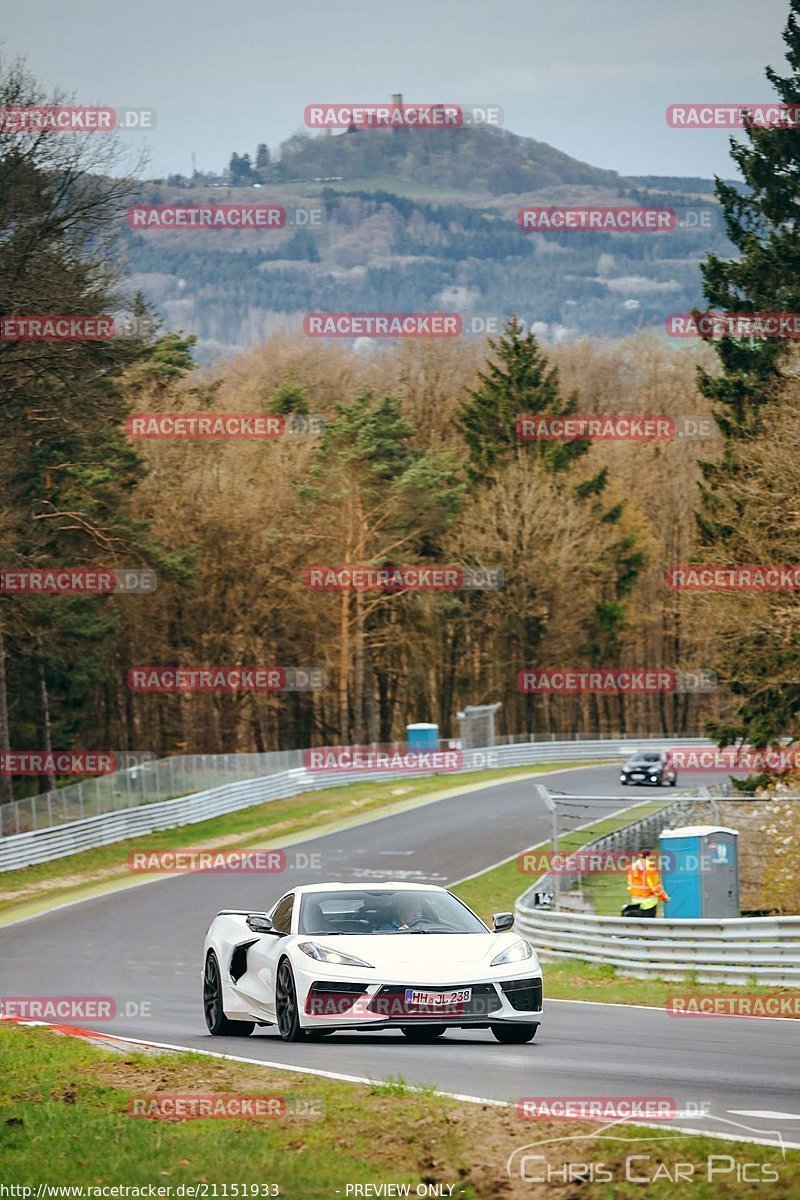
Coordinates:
366	912
645	759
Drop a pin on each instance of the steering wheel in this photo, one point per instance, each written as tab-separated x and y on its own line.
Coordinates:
411	924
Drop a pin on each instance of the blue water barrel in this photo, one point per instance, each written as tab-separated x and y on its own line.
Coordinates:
422	736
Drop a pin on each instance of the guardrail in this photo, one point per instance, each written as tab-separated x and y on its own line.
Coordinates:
56	841
739	950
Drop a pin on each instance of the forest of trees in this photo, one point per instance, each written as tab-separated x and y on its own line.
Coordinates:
417	462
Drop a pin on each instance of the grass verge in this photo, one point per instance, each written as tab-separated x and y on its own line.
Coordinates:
64	1116
260	826
498	890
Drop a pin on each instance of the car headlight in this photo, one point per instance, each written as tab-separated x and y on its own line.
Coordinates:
516	953
328	955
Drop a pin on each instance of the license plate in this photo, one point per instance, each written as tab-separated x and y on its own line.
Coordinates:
637	775
438	999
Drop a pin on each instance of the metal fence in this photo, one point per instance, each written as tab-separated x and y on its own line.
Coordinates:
145	783
739	950
628	837
166	778
516	739
43	845
268	782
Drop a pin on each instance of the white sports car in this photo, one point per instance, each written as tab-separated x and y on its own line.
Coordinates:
332	956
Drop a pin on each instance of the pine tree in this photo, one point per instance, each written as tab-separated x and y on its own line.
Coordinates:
517	381
69	472
761	222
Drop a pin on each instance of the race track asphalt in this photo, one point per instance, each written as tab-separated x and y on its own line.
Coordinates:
142	946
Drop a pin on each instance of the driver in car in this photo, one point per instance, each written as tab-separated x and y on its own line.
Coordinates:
407	911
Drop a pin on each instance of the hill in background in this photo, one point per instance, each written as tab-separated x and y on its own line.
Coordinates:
419	221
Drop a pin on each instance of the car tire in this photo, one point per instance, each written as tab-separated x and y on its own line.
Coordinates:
286	1009
218	1024
423	1033
624	782
673	783
514	1035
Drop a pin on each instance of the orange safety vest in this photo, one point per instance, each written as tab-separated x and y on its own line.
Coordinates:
644	883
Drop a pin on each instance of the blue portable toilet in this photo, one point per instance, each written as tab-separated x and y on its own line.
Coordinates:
422	736
700	871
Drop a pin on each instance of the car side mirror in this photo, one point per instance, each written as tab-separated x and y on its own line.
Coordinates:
501	921
258	923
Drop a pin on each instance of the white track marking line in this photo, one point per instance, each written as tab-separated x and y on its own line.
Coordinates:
767	1114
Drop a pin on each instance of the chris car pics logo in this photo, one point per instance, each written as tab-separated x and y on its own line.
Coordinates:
610	1155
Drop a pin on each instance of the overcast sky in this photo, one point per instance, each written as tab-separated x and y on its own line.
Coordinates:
591	77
